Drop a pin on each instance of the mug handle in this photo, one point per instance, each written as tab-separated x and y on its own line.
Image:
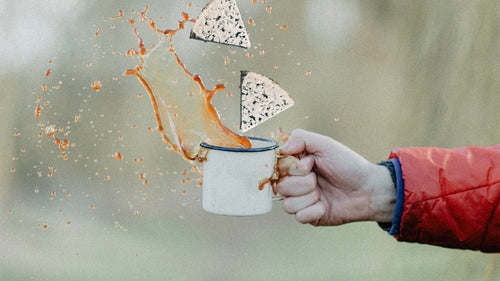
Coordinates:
278	197
275	178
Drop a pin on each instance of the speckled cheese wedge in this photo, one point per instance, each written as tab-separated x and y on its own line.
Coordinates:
220	21
261	99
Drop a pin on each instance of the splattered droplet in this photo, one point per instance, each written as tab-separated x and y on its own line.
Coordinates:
117	155
96	85
38	110
120	14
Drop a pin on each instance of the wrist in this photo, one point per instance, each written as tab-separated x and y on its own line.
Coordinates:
383	194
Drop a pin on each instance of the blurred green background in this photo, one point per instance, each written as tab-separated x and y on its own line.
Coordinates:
383	74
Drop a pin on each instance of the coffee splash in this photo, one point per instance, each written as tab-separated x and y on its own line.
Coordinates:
181	103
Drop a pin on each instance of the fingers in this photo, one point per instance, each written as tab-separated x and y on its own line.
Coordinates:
311	214
294	204
297	185
302	198
298	181
293	166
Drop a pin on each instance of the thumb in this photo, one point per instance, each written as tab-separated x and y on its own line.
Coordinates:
302	141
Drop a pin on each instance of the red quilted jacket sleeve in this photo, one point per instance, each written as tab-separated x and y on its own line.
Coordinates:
451	197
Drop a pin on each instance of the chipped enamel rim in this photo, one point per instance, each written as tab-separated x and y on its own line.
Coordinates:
272	145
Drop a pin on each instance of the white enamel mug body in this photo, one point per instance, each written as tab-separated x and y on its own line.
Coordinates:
234	179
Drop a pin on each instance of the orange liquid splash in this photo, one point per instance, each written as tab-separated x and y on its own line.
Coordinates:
96	85
181	103
117	155
37	111
120	14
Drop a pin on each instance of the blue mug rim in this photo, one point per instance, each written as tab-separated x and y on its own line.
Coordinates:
273	145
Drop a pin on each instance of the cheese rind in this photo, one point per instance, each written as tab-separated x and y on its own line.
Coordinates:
220	21
261	99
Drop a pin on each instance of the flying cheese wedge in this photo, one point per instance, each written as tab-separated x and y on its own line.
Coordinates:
220	21
261	99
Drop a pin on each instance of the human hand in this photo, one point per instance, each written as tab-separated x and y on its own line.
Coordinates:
326	183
